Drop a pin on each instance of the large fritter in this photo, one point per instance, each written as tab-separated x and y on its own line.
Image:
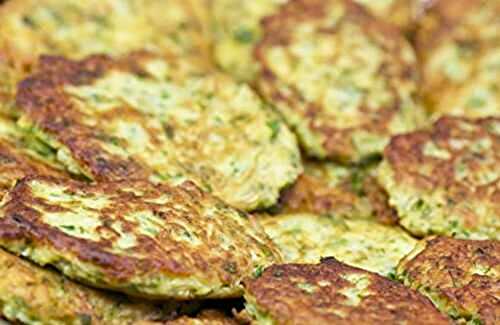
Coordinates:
344	81
32	295
334	293
77	28
459	45
446	180
461	277
306	238
167	120
146	240
330	188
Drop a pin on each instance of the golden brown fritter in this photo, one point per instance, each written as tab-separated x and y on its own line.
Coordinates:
33	295
461	277
153	241
329	188
334	293
344	81
446	180
76	28
166	119
458	44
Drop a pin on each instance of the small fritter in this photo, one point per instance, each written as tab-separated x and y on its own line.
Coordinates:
237	29
461	277
33	295
446	180
398	12
77	28
458	44
330	188
334	293
343	80
152	241
206	317
162	119
306	238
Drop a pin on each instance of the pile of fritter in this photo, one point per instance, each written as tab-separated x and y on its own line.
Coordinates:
265	162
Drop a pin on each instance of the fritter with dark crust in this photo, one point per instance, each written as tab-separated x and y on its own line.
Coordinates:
461	277
329	188
166	119
33	295
344	81
75	28
446	180
458	44
153	241
334	293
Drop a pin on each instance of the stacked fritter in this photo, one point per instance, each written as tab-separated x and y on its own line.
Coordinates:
263	162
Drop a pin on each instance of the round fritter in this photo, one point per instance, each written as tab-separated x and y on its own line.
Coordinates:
153	241
166	119
446	180
461	277
33	295
330	188
306	238
334	293
343	80
458	44
398	12
237	29
206	317
77	28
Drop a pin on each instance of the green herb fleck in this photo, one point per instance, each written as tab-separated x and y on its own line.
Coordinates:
258	271
275	128
243	35
475	102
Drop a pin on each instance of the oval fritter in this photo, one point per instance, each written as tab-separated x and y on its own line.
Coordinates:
166	119
343	80
446	180
153	241
76	28
461	277
334	293
306	238
33	295
458	44
330	188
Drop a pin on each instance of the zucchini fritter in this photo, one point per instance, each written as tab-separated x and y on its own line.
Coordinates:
334	293
152	241
446	180
344	81
461	277
162	119
306	238
33	295
458	44
330	188
77	28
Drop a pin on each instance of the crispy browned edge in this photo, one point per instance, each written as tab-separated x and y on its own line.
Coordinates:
405	155
276	31
444	266
42	98
391	302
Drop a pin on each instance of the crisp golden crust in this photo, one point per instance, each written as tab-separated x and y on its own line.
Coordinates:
457	44
328	188
147	240
79	28
156	111
446	180
346	92
30	294
334	293
462	277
